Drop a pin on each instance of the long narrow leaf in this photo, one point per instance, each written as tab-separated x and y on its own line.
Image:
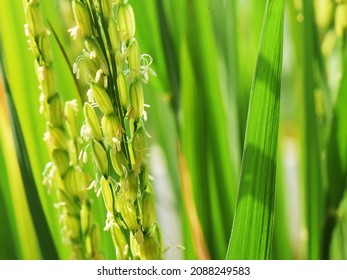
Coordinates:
253	222
312	145
45	239
8	237
336	163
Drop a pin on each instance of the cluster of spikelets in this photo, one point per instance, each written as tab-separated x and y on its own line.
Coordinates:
64	173
114	128
115	71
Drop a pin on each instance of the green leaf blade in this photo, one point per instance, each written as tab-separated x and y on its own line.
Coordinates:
253	222
45	239
336	165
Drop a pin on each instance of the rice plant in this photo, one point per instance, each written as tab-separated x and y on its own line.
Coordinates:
163	129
